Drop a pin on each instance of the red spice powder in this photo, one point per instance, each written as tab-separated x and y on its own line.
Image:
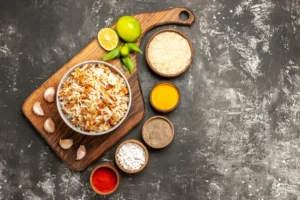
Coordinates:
104	179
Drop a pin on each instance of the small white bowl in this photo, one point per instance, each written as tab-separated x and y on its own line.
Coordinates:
67	121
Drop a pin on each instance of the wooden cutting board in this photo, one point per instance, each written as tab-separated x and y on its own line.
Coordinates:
97	145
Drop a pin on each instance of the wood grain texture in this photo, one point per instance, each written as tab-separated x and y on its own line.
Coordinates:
96	145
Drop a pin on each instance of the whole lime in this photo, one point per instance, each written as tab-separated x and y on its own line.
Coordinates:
128	28
124	50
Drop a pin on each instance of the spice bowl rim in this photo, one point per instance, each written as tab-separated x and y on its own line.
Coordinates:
146	153
110	166
164	118
153	68
64	117
171	109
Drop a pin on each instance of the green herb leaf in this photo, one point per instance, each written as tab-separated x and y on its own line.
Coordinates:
123	66
134	47
129	63
113	54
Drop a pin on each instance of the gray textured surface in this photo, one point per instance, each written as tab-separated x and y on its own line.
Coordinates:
237	127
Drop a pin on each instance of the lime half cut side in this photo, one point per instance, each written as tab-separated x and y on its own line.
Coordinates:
108	39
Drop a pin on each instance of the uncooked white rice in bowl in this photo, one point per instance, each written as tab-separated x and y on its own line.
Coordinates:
94	98
169	53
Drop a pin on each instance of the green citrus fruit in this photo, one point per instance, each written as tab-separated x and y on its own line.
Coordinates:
108	39
128	28
124	50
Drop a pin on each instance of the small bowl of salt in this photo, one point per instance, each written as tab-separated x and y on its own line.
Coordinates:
131	156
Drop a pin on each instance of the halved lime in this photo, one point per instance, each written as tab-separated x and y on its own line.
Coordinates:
108	38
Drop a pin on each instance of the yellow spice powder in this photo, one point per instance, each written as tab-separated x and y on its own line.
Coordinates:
164	96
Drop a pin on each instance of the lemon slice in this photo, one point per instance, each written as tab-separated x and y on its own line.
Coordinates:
108	39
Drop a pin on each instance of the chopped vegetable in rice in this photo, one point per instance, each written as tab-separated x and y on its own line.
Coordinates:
94	97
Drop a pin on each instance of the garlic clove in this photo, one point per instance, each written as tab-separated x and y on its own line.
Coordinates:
66	143
49	94
49	125
37	109
81	152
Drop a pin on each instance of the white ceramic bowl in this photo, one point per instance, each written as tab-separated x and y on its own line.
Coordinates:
67	121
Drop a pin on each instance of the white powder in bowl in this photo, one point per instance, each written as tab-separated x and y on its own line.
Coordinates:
169	53
131	156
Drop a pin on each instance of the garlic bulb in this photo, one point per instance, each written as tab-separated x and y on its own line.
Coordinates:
81	152
66	143
49	94
49	125
37	109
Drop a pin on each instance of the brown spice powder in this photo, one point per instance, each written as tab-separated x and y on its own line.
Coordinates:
158	133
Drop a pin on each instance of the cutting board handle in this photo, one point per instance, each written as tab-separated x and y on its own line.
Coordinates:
149	21
172	16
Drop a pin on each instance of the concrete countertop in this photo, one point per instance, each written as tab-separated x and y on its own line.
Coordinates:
236	128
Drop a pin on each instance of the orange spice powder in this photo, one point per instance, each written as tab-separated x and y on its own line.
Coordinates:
164	96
